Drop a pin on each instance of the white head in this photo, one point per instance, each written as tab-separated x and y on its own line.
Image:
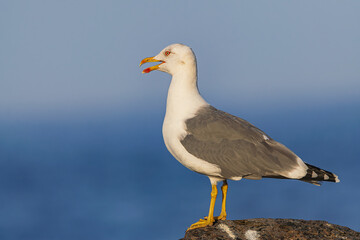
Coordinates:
174	59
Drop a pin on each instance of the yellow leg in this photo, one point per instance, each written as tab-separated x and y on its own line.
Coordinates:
224	188
222	215
210	218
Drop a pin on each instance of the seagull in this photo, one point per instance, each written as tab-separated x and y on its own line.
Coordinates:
215	143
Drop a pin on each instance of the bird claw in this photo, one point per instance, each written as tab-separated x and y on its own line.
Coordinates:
202	223
220	217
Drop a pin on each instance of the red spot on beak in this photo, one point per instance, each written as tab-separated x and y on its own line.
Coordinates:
146	70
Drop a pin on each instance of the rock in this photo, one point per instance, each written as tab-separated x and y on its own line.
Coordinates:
272	229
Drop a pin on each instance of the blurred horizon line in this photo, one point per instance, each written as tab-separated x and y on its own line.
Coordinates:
114	112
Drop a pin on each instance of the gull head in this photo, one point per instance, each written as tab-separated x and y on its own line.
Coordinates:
173	59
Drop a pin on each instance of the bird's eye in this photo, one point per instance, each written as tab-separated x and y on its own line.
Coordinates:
167	53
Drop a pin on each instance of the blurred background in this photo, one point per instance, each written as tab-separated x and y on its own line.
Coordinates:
81	149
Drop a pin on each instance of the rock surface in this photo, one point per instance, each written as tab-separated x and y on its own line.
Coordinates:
268	229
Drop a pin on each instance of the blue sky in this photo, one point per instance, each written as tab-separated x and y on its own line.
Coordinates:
80	57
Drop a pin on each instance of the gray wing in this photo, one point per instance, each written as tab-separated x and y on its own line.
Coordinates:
236	146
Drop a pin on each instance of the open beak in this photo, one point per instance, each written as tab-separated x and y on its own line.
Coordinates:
150	59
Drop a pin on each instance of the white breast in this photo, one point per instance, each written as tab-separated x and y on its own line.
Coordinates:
173	133
182	103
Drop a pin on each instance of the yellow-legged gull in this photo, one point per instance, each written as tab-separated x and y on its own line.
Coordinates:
215	143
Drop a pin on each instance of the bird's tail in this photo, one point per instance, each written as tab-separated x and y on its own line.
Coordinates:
315	175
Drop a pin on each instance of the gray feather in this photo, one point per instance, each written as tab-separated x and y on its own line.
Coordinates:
236	146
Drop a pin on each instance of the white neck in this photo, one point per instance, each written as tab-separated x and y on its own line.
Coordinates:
184	98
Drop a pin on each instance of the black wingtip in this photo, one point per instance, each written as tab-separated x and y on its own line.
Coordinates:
315	175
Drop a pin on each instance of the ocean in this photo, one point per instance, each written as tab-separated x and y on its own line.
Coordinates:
111	177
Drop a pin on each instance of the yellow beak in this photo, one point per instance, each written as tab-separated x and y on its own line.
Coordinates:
150	59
